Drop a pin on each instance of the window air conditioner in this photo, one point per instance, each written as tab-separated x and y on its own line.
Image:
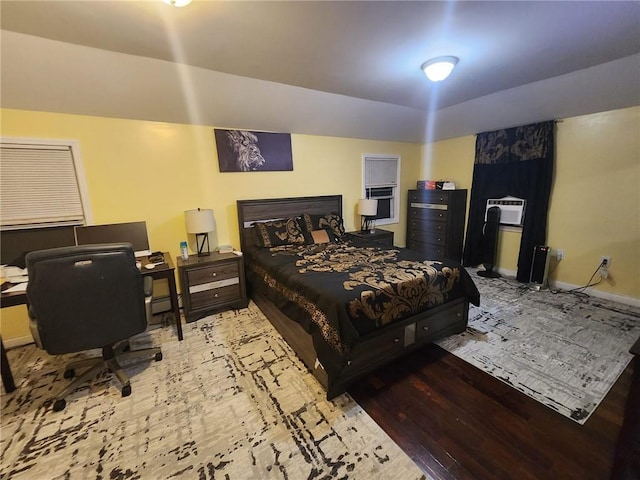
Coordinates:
511	209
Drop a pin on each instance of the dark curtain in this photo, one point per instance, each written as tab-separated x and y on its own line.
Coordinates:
517	162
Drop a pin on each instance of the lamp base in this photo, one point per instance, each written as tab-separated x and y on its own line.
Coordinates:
205	239
368	225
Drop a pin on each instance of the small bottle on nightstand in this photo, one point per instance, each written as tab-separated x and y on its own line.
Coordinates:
184	252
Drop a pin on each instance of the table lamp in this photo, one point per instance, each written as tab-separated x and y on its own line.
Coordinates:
200	222
368	209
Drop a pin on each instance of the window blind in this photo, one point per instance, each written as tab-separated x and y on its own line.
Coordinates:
38	187
380	172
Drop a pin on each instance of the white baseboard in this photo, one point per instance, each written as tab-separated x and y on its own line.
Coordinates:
17	342
634	302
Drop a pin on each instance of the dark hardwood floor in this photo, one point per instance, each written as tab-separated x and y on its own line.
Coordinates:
458	422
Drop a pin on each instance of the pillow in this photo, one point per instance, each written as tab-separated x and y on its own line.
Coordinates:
278	232
324	235
333	221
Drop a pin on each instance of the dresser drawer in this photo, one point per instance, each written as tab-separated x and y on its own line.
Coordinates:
428	212
420	225
430	196
428	250
433	238
212	273
437	325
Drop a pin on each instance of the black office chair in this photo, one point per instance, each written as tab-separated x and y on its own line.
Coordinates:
87	297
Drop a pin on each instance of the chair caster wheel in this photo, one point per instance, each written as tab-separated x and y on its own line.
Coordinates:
126	390
158	356
59	405
69	374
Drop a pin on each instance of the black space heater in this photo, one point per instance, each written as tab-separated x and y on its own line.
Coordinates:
489	243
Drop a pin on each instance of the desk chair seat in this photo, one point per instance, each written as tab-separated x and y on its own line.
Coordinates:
89	297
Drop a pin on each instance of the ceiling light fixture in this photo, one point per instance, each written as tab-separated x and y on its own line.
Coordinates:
177	3
437	69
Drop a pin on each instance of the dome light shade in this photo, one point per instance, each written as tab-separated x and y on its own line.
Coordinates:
437	69
177	3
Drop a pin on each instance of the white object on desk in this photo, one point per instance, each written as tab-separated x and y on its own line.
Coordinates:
11	271
21	287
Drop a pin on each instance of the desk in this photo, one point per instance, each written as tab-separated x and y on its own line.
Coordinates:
165	270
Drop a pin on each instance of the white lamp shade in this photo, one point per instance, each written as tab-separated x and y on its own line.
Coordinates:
199	220
439	68
367	207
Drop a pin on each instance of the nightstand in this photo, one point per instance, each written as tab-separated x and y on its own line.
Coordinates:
211	283
379	238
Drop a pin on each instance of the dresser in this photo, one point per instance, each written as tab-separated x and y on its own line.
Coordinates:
211	283
435	222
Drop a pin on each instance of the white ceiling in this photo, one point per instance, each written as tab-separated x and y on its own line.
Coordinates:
328	68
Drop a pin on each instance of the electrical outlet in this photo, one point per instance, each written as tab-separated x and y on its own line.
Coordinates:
605	264
559	254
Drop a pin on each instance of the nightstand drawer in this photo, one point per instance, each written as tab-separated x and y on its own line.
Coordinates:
212	297
379	238
212	273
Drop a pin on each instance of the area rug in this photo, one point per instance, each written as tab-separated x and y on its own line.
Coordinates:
231	401
564	350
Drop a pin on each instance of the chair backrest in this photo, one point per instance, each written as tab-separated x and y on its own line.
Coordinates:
85	297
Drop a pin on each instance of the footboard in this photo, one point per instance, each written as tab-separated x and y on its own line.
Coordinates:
375	349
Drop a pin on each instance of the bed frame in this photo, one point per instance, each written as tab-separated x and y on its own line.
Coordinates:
374	349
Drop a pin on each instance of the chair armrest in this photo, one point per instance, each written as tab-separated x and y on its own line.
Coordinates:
147	286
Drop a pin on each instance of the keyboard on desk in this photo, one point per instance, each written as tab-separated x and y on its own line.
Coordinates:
156	257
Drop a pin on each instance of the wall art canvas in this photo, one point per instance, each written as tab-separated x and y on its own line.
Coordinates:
248	151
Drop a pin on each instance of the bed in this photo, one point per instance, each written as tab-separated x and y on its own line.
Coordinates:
345	309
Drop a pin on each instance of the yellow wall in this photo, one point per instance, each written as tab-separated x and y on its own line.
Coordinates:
595	199
154	171
137	170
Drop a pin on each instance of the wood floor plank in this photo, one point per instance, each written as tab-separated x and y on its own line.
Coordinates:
459	423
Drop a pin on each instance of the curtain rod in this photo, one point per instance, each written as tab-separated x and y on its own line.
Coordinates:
555	120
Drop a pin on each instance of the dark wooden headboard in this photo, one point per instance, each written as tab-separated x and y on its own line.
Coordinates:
250	211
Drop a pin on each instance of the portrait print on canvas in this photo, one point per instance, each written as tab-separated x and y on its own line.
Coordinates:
249	151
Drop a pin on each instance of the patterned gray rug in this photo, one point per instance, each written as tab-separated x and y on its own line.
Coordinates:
230	401
564	350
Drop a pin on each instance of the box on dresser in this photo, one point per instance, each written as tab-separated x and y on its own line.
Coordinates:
435	222
211	283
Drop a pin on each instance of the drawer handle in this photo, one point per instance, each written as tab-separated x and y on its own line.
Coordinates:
425	328
396	340
459	314
214	274
442	199
439	239
215	295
